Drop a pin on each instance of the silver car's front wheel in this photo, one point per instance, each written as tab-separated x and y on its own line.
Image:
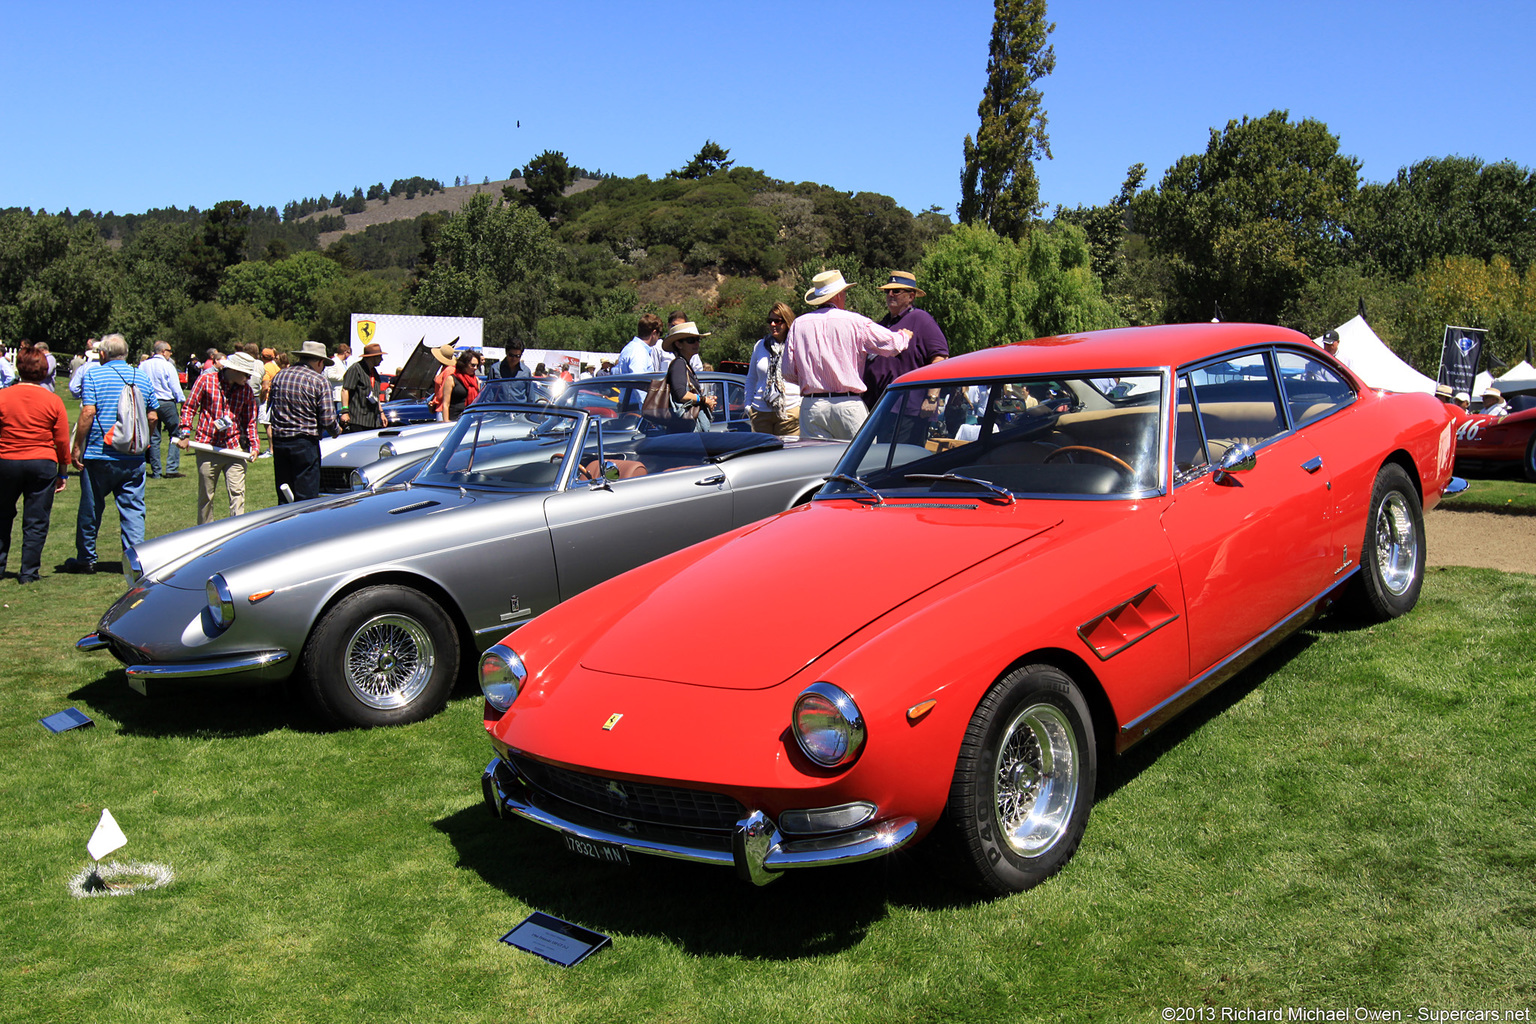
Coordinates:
389	661
384	655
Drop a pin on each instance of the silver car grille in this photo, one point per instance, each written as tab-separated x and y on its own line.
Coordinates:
634	801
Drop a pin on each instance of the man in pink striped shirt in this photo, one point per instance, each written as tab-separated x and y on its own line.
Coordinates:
825	354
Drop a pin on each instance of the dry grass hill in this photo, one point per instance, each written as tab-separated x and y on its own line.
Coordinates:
400	208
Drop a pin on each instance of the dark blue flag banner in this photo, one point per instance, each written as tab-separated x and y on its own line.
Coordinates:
1459	357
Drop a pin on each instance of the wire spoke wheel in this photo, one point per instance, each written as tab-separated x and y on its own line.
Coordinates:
1036	780
389	661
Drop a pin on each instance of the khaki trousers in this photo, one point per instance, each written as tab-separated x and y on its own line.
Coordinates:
208	469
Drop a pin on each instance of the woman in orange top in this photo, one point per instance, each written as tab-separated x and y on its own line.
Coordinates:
34	455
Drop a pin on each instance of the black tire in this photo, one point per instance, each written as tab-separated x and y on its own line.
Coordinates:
1023	785
1529	465
1392	557
385	655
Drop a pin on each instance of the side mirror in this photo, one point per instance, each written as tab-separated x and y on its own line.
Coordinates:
1240	458
610	471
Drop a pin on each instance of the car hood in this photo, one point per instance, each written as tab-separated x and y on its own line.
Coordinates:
836	567
287	529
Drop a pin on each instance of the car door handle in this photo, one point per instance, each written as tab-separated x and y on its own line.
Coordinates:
711	480
1313	464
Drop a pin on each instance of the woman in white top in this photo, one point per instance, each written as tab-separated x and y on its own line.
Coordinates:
773	404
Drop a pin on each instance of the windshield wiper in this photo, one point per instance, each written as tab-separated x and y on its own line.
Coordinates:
844	478
1001	492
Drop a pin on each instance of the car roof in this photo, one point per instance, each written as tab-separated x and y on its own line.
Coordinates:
1120	349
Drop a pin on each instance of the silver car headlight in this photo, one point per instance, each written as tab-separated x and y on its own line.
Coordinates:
357	480
386	450
133	569
221	603
501	676
828	725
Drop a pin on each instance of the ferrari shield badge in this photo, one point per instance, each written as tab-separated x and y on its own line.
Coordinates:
613	720
366	329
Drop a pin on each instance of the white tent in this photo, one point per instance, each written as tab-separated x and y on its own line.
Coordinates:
1519	379
1366	354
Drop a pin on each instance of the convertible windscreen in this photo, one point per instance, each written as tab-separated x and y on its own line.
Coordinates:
998	439
502	449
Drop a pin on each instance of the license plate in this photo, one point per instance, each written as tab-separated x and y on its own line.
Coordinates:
608	853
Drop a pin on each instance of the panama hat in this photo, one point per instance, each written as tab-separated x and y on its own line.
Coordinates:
902	281
826	285
446	354
685	331
243	362
313	350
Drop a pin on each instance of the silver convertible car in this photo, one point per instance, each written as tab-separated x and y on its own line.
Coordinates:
374	601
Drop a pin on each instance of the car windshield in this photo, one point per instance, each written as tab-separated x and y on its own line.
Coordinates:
998	440
513	389
502	449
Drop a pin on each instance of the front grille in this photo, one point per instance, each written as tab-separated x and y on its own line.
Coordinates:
634	801
335	481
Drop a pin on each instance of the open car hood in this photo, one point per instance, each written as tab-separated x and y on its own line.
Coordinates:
415	380
820	574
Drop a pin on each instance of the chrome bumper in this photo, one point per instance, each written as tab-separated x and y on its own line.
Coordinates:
757	850
250	662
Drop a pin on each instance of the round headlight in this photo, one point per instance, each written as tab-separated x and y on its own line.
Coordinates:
386	450
357	481
221	604
828	725
501	676
133	569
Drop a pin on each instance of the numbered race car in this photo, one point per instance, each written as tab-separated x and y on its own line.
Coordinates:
1029	559
376	599
1501	439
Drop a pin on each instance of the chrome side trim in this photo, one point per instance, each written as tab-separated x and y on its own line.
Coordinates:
213	667
91	642
757	850
1143	725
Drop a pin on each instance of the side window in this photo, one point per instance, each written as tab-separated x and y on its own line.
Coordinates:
1239	403
738	401
1312	389
1188	446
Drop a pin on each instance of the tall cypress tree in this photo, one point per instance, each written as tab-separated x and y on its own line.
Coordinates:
998	186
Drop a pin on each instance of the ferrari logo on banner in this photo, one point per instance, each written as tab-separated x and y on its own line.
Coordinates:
1460	355
365	330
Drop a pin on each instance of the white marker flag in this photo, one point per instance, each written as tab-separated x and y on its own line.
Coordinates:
106	838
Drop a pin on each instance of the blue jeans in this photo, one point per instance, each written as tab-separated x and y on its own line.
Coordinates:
169	421
125	482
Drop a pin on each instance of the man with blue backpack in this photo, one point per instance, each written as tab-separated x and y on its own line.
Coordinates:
117	406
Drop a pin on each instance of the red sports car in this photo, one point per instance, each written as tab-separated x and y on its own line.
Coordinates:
1030	558
1507	438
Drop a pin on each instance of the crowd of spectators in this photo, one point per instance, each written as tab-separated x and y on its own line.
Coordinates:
814	374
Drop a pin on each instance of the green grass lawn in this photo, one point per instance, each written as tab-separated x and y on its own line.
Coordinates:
1491	490
1350	823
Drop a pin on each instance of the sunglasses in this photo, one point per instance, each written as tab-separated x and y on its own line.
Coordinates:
776	321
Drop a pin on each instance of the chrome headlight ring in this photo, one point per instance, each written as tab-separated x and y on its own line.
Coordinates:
221	603
828	725
386	450
502	674
133	569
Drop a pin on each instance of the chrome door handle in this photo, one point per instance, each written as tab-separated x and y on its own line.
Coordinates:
1313	464
709	480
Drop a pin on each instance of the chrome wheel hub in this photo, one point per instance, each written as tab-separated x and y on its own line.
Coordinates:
1397	544
389	661
1036	779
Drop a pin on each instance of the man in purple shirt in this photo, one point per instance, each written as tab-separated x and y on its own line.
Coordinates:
928	344
825	354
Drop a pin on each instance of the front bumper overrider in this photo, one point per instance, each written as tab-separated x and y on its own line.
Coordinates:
755	847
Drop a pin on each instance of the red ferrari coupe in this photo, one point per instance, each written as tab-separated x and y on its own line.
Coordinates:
1508	438
1028	559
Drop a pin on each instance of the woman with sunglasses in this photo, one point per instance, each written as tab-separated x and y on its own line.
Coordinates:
773	404
691	408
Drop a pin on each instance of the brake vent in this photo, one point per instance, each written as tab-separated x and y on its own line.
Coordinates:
1125	624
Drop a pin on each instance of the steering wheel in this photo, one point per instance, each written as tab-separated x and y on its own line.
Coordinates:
1113	460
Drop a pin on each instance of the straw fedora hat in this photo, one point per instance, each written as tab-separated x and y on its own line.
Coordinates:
903	281
682	332
243	362
313	350
446	354
825	286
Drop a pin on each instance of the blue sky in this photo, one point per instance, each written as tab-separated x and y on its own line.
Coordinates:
125	107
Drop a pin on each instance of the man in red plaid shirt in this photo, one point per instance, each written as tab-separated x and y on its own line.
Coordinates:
225	407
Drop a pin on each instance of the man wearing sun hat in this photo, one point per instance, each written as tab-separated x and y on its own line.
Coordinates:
302	410
360	408
928	344
225	410
825	353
